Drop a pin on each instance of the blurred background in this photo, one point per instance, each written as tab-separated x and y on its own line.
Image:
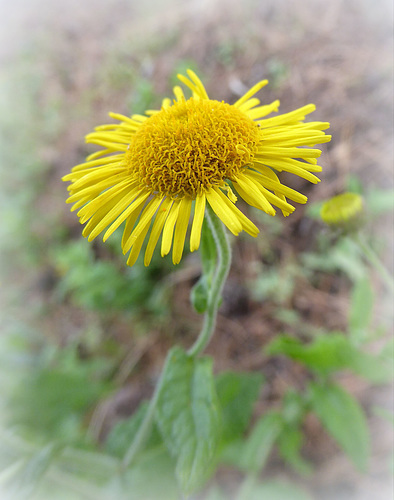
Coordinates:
83	337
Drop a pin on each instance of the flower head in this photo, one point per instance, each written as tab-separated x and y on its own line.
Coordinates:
158	167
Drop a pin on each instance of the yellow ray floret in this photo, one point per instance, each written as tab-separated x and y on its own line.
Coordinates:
157	171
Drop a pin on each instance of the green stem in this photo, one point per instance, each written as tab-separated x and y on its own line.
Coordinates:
214	298
215	292
375	262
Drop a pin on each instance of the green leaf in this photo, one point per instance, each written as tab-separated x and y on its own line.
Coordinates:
289	444
344	419
259	444
331	352
360	310
231	453
199	295
122	434
324	353
237	393
293	408
188	417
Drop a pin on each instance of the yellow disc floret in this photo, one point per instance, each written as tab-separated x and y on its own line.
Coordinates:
192	146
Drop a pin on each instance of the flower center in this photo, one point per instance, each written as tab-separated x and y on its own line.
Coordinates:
191	146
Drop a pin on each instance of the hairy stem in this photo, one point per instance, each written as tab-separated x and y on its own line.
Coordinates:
215	292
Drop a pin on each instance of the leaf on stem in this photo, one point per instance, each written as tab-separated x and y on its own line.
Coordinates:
188	417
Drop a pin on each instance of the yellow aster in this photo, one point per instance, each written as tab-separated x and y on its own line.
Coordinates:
158	170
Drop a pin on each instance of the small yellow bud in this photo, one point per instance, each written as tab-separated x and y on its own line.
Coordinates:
343	211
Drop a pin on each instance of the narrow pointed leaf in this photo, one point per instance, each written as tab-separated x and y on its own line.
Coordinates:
343	419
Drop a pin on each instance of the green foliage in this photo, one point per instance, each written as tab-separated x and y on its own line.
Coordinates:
102	285
237	393
199	295
53	398
290	442
200	292
344	256
151	478
188	417
343	418
276	283
291	437
258	445
331	352
122	433
360	313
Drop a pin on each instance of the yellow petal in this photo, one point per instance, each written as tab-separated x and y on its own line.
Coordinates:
135	206
136	248
181	228
251	92
168	230
249	188
199	212
287	118
101	212
157	228
178	92
271	181
120	212
88	210
262	111
198	83
145	220
251	103
288	165
220	205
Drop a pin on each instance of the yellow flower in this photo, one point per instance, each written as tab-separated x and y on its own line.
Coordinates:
155	168
343	210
